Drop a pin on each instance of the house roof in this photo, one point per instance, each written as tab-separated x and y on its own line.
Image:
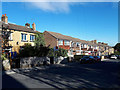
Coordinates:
65	37
18	27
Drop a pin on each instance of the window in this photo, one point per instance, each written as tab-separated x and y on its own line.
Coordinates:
85	45
10	37
24	37
81	45
67	42
95	47
77	44
60	42
32	37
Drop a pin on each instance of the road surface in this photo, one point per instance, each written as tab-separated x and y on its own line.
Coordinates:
72	75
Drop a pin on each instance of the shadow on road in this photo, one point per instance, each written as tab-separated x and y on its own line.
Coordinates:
9	82
76	75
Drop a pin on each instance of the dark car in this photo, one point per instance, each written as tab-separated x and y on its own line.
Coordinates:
118	56
87	59
97	58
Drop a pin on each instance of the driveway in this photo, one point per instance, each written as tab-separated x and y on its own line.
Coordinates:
72	75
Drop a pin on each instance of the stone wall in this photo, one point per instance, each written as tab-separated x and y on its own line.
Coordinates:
38	61
33	61
6	65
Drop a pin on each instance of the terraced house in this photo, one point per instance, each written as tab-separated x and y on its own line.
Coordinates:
76	46
19	35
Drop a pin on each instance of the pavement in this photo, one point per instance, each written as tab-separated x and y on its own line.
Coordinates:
105	74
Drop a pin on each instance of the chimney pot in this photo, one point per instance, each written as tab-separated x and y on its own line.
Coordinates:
34	26
4	18
27	24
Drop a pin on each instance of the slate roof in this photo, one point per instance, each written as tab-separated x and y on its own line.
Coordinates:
17	27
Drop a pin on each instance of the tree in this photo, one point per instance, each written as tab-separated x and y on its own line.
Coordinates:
5	37
39	39
117	47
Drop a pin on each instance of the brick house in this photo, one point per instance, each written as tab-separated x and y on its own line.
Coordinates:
76	46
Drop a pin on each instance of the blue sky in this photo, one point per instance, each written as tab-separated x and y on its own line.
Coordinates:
86	21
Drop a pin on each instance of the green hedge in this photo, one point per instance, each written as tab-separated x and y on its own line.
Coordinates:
41	51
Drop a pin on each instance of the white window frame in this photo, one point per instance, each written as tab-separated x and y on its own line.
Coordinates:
24	37
82	45
32	37
66	42
60	42
85	45
77	44
10	37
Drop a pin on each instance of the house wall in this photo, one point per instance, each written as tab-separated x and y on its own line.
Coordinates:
16	37
50	40
67	47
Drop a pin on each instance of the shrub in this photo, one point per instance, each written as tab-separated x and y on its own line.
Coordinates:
41	51
3	57
30	51
60	52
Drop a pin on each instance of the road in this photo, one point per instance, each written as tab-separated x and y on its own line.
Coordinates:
72	75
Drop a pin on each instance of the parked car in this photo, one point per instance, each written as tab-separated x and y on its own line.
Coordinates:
118	56
113	57
87	59
97	58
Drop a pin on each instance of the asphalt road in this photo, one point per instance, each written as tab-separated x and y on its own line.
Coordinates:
72	75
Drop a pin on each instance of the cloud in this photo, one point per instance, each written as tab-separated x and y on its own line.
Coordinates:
52	6
60	0
56	6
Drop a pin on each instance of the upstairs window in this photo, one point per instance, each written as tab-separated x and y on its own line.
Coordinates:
67	42
32	37
77	44
60	42
24	37
85	45
82	45
95	47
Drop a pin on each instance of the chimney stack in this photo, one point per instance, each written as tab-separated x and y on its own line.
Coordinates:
99	42
27	25
4	18
34	26
95	41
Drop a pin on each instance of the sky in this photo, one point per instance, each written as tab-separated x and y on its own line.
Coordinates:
83	20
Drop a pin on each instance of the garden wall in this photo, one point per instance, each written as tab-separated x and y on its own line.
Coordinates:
38	61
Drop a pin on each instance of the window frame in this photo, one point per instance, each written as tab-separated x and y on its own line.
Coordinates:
66	43
60	42
32	37
23	37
